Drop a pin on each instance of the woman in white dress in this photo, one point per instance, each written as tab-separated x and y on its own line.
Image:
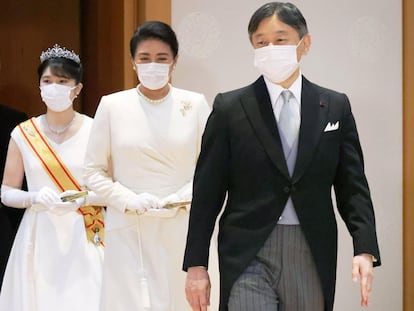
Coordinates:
150	136
57	256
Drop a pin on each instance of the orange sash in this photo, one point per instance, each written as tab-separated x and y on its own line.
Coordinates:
62	178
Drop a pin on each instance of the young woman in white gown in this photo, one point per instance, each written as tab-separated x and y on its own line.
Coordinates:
150	136
55	262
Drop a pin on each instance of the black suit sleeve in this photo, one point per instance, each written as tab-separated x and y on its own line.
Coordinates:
210	187
352	191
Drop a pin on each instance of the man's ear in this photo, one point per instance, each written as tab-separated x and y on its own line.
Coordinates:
307	41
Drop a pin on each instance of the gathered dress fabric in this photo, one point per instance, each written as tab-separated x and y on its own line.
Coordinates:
153	149
52	266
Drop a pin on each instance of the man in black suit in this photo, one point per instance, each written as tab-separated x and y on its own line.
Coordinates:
276	148
9	217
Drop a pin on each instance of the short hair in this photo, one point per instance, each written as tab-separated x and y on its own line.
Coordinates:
62	67
154	30
287	12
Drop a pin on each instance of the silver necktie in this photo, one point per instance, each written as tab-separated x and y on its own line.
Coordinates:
289	120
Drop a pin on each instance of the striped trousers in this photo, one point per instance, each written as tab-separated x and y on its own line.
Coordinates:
282	276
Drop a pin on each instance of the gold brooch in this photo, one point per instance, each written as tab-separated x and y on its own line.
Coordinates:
185	106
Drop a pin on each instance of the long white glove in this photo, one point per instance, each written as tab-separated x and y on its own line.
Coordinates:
47	197
53	202
44	199
175	198
93	199
17	198
140	203
172	198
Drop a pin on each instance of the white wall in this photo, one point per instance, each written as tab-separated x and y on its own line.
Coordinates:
356	49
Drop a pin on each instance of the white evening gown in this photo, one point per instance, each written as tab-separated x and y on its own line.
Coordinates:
52	266
154	149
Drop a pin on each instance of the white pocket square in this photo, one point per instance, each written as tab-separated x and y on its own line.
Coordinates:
332	126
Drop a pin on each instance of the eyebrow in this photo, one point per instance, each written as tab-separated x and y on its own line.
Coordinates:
278	32
158	54
49	76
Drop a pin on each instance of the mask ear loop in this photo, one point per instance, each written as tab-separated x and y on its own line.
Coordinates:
300	42
76	94
306	49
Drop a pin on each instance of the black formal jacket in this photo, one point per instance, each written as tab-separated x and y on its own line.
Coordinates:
9	217
242	157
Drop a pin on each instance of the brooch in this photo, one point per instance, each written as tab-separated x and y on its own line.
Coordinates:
185	106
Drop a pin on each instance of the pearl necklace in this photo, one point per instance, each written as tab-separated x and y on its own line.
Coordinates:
61	130
153	101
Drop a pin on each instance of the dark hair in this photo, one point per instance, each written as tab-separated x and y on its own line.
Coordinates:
287	13
62	67
154	30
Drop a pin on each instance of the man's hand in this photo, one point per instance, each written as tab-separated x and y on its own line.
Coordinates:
362	269
197	288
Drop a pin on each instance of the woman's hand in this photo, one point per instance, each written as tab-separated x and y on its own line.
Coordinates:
140	203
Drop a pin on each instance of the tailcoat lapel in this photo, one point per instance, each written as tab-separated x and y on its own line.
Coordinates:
258	109
314	114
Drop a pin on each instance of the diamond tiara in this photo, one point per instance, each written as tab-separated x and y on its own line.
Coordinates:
57	51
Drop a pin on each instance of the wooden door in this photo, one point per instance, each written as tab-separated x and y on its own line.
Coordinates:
26	29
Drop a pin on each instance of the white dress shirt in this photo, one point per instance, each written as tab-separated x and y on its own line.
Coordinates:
289	216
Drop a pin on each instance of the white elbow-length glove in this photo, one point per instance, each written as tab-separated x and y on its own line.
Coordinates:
172	198
176	198
140	203
52	200
44	199
14	197
47	197
93	199
17	198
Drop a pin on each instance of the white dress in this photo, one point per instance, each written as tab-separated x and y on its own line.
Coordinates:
52	266
154	149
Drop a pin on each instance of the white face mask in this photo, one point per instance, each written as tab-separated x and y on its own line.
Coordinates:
56	96
276	62
153	75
